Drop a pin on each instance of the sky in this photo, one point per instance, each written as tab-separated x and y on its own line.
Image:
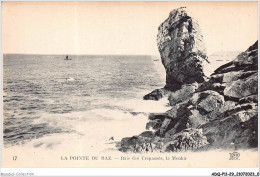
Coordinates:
119	28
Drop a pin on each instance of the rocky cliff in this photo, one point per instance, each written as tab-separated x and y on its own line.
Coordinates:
218	112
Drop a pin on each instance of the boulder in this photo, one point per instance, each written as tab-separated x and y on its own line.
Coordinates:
154	116
156	120
242	87
137	144
207	101
157	94
232	132
182	94
188	139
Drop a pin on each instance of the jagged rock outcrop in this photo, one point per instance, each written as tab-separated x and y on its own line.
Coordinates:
182	50
220	112
189	139
237	125
237	80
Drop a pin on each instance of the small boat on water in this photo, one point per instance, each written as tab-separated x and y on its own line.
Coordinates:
67	58
70	79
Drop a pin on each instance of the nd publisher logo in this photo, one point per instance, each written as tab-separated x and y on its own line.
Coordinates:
234	156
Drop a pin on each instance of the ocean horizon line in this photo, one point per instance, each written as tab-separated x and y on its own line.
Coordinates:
83	54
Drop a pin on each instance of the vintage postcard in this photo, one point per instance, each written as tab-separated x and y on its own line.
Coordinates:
129	84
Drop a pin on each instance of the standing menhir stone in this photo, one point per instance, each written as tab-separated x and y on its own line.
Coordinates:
182	50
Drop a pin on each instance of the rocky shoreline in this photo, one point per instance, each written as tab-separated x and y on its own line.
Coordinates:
207	113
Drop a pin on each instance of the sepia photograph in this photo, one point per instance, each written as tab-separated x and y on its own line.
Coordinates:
130	84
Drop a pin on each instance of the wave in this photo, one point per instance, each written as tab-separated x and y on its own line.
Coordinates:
90	129
144	106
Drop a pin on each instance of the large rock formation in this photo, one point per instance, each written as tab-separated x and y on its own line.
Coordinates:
220	112
182	51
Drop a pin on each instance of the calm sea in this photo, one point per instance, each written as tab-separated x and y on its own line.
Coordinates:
45	95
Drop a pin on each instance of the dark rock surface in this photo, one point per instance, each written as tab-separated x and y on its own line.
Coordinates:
182	50
155	95
183	53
